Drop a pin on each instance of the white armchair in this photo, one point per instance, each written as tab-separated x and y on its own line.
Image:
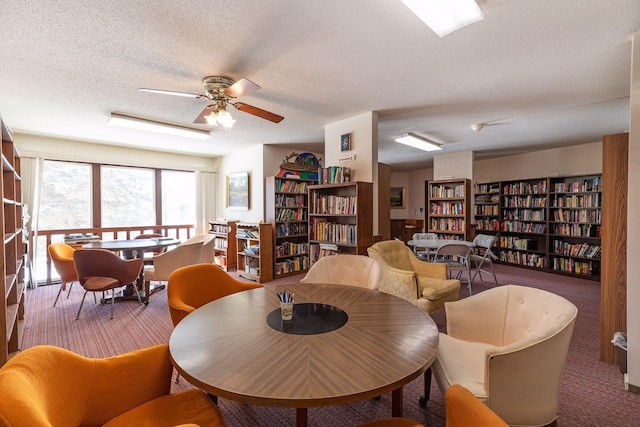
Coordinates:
168	262
346	269
507	345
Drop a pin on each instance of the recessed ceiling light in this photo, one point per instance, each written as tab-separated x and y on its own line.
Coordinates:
418	142
445	16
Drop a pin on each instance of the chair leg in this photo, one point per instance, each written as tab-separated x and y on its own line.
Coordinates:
113	301
81	302
59	291
69	291
135	287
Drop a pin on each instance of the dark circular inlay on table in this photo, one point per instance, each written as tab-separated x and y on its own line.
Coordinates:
309	319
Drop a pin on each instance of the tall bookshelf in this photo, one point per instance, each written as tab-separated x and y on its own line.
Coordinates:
287	209
340	219
13	250
552	223
255	257
448	208
224	247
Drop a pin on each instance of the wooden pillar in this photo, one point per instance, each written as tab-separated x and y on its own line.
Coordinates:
613	274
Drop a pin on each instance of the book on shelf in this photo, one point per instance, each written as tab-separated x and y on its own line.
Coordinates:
334	175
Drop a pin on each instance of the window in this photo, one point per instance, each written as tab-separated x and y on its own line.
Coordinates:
127	197
66	198
178	197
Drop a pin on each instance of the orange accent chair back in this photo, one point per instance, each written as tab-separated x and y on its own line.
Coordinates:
193	286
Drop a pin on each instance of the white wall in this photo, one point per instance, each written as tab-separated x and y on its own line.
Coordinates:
454	165
633	225
71	150
247	160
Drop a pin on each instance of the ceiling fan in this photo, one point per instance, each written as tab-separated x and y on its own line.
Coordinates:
222	91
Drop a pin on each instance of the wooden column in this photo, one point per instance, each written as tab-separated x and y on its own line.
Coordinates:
613	282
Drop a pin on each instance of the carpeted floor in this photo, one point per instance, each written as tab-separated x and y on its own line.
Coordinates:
591	394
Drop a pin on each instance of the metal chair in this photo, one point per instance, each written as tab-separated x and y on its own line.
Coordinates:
454	255
481	255
427	254
100	270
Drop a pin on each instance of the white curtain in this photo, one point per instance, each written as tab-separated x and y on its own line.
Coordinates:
31	176
206	183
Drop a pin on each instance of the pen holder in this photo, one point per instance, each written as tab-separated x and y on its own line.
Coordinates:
286	310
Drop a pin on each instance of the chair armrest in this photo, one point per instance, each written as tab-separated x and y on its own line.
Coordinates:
123	382
179	310
429	269
401	283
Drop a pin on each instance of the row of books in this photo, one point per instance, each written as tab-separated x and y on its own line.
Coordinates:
487	198
220	243
445	192
582	215
581	250
584	185
524	202
220	229
447	208
511	242
333	205
289	200
291	229
247	233
524	214
288	186
522	227
317	251
523	258
288	214
291	248
292	265
569	265
334	175
493	187
539	187
485	224
447	224
344	234
576	230
487	210
581	201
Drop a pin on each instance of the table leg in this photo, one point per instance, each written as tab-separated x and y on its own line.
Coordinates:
301	417
397	396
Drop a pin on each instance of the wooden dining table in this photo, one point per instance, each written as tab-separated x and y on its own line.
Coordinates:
343	344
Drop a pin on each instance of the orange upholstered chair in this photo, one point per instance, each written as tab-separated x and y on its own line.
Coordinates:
62	256
51	386
463	409
392	422
193	286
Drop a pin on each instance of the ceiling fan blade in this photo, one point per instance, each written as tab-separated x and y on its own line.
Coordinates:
241	87
171	92
263	114
201	117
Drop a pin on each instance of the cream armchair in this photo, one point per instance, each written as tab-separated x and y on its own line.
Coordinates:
507	346
168	262
403	275
346	269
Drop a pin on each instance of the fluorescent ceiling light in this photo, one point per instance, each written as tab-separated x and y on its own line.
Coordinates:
445	16
153	126
417	142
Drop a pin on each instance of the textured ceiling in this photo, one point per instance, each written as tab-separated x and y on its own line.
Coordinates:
67	65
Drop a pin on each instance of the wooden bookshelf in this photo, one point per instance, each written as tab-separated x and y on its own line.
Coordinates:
13	250
340	219
224	248
552	223
448	208
287	209
254	244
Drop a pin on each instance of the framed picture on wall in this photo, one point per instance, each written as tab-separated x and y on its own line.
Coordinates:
397	195
238	191
345	142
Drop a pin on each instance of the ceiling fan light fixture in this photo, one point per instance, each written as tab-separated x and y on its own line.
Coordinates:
130	122
220	117
445	16
418	142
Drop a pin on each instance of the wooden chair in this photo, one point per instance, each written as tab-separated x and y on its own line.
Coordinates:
100	270
50	386
62	257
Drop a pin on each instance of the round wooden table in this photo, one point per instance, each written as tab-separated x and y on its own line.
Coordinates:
228	349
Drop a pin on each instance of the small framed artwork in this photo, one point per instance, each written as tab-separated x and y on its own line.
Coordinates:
397	197
345	142
238	191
